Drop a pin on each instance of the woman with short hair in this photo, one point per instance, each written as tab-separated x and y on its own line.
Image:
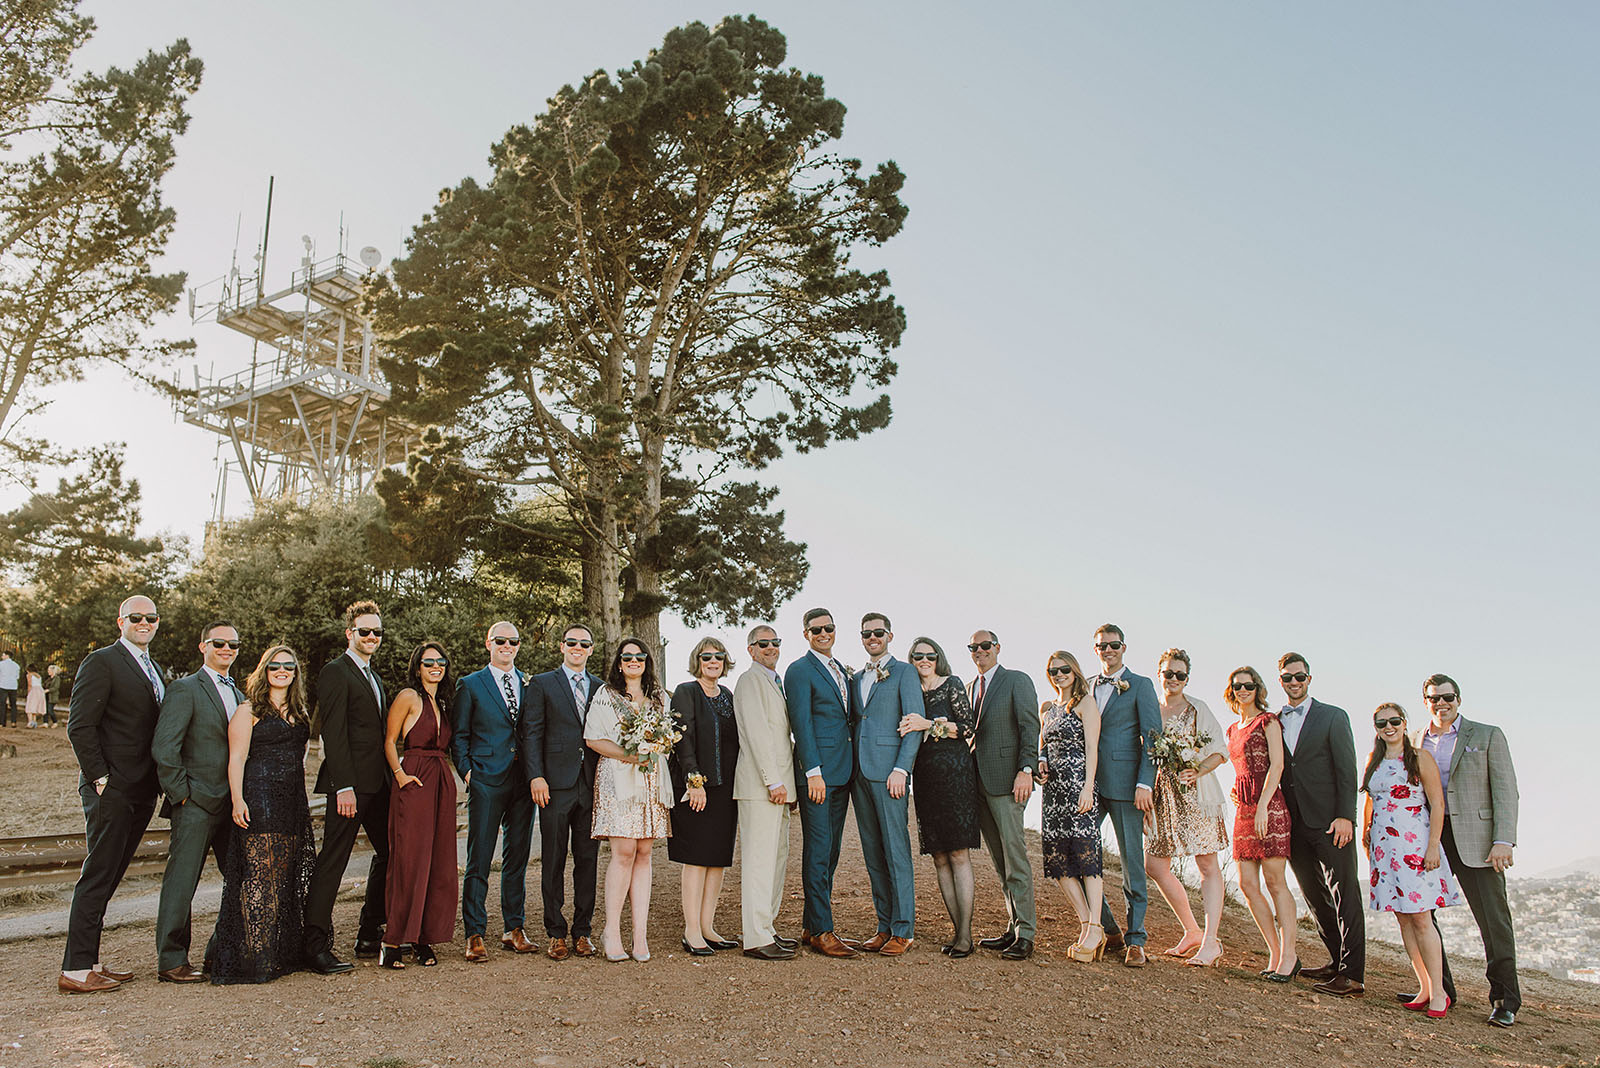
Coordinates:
705	817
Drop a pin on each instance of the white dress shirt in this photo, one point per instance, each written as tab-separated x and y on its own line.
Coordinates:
226	693
146	665
1103	688
1293	719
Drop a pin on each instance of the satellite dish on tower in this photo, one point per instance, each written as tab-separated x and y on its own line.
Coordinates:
371	256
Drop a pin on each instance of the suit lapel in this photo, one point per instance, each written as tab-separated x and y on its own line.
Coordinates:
1463	727
495	692
209	688
128	660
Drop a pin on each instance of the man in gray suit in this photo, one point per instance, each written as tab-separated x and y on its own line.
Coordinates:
1006	745
1480	831
764	787
191	755
886	690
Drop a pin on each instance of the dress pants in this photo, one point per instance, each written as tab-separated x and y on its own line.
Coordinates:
1000	822
1328	879
194	832
882	822
8	711
763	860
821	835
506	810
565	824
1127	823
1485	891
338	839
114	824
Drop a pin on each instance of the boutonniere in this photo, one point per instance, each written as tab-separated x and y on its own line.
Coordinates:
1120	684
882	671
849	672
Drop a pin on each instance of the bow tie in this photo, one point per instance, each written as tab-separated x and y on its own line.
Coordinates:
1105	680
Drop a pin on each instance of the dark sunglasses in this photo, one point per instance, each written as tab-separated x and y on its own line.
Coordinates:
1439	698
141	617
925	656
875	632
767	643
282	666
635	657
1392	721
1244	687
1062	670
707	657
369	632
1298	676
985	646
1113	646
507	641
222	643
577	643
434	661
1181	676
826	628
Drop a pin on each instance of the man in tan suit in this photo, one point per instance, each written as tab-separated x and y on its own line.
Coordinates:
764	787
1480	831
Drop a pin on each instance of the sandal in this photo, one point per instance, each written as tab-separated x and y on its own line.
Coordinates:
1197	961
391	957
1087	954
1184	950
426	956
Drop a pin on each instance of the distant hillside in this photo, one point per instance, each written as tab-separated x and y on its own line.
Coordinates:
1586	866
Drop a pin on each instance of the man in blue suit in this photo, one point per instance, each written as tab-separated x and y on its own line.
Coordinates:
489	704
886	689
1130	721
817	690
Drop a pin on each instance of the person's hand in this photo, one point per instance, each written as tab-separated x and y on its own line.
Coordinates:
778	795
1500	857
1261	821
345	803
467	781
897	784
1086	798
1430	859
816	790
403	779
1342	831
1022	788
539	790
1188	777
241	813
697	798
1143	800
911	721
1041	774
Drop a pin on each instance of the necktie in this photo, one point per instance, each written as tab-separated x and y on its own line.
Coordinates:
155	680
838	680
777	678
377	690
578	693
511	698
977	697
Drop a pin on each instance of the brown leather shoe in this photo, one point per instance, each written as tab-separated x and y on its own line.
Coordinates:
1341	986
516	940
183	973
875	943
1115	944
557	949
805	937
894	947
582	947
1134	958
830	945
477	952
112	973
90	984
1320	975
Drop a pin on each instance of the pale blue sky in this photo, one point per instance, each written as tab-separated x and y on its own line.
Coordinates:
1247	326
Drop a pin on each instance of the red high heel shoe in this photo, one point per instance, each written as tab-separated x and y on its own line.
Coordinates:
1438	1014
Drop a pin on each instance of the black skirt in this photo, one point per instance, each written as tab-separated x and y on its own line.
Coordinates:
705	838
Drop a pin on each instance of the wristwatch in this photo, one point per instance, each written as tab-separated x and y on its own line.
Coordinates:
100	783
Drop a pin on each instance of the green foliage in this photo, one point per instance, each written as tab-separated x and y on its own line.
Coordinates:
655	290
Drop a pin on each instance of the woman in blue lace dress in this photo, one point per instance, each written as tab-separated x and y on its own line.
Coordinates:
1069	749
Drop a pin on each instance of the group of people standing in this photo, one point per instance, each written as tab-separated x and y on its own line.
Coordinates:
563	749
40	690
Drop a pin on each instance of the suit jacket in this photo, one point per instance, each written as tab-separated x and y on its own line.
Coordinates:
484	743
552	731
879	747
352	723
191	744
820	721
1319	776
699	750
1482	797
1007	735
1129	725
766	750
112	720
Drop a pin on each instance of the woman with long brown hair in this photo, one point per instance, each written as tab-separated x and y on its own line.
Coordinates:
1261	819
1069	752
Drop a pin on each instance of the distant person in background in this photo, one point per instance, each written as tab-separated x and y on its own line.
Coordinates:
1189	819
52	694
1480	831
1069	813
34	704
1261	838
704	817
10	677
116	700
1401	825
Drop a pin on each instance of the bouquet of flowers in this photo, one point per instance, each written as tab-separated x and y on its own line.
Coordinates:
1176	750
650	730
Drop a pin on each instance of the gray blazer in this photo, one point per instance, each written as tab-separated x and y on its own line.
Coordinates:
1482	796
1007	736
191	744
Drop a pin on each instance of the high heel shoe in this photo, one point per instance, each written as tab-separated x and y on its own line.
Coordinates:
1183	950
390	957
1089	954
1284	977
1198	961
614	958
698	951
426	956
1438	1014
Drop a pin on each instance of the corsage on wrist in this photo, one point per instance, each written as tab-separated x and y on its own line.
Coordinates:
941	728
696	781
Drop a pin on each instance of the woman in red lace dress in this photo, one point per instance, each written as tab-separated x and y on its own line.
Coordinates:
1261	820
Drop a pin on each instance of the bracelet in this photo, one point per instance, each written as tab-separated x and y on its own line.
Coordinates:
696	781
399	771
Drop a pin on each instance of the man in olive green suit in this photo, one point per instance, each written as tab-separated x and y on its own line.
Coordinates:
191	755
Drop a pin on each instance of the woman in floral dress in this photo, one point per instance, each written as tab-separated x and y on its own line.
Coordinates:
1261	820
1401	826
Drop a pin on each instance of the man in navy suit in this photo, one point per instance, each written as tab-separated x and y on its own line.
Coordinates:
818	693
560	770
886	690
489	704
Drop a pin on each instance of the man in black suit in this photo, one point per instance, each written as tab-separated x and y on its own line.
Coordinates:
355	778
116	698
191	755
560	770
1319	783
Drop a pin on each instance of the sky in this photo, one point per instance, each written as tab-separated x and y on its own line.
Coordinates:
1248	327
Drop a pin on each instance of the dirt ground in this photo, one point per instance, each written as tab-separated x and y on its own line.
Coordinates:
922	1009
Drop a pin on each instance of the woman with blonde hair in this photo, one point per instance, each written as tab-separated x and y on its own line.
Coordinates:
1261	819
1069	752
705	817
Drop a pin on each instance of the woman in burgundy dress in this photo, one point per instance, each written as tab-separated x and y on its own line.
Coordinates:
421	894
1261	819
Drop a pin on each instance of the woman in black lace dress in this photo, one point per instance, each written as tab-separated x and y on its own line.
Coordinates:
1069	748
267	867
945	786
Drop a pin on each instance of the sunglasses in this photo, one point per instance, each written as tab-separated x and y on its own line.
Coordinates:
1062	670
637	658
222	643
1113	646
277	665
1392	721
1181	676
1298	676
141	617
507	641
826	628
875	632
369	632
1439	698
434	661
985	646
1244	687
934	657
708	657
577	643
767	643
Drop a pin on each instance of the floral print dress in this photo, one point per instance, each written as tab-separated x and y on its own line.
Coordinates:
1399	842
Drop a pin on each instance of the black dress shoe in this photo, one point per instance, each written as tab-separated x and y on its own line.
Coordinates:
721	943
1322	974
368	947
1502	1016
1001	942
957	953
770	952
698	951
785	943
326	963
1021	949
